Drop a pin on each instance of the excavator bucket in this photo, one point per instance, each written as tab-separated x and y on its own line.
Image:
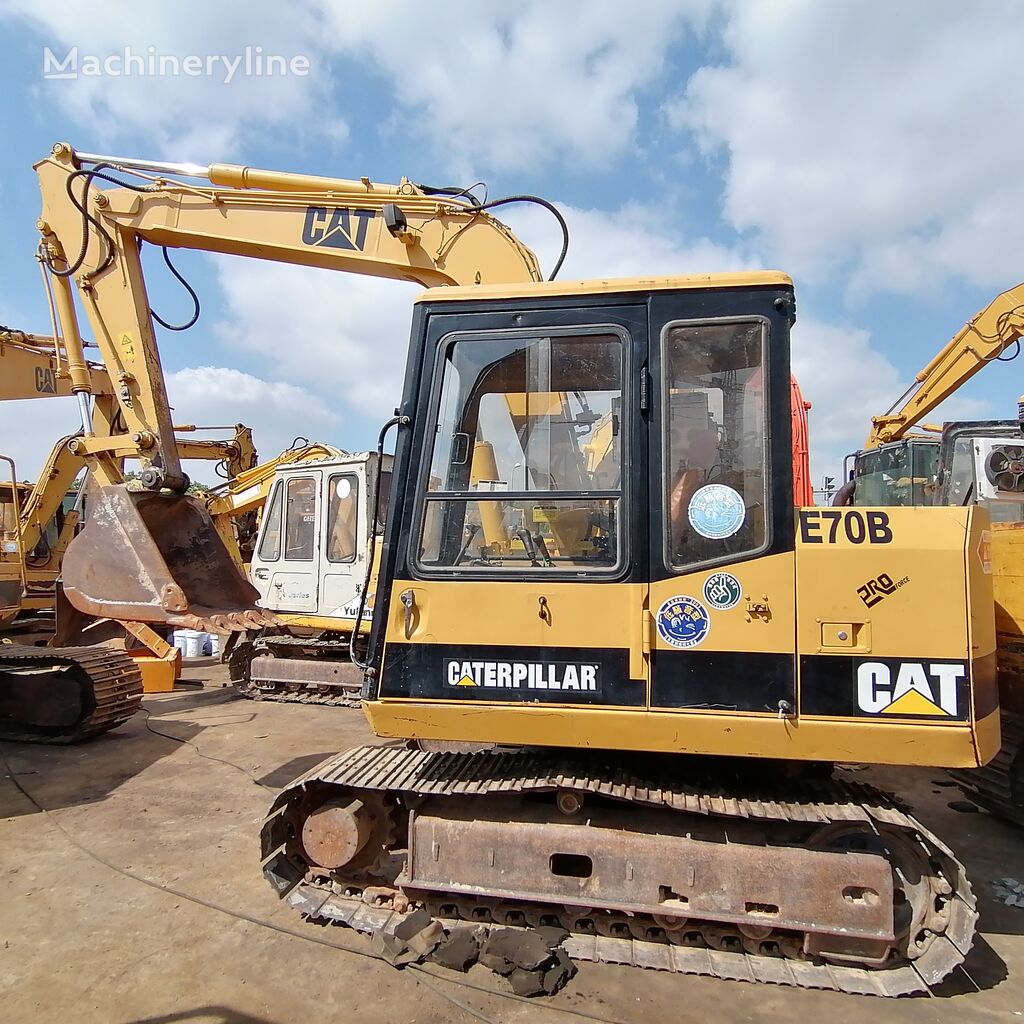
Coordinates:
151	557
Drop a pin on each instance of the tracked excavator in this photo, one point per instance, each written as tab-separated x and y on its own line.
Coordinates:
36	366
57	684
959	464
665	666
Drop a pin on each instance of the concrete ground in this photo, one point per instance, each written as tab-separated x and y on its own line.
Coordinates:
82	942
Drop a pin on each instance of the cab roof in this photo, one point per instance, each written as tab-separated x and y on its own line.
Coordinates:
605	286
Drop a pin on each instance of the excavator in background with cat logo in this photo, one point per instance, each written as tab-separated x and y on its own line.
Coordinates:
57	683
956	464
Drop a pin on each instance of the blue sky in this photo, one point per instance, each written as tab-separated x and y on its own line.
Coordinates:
866	148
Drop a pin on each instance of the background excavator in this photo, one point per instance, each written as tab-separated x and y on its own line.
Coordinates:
674	653
966	463
56	683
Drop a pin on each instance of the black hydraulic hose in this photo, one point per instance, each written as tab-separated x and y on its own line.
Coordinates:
191	291
395	421
455	192
87	218
551	208
477	206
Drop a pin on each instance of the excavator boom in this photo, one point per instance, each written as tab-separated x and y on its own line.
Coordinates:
156	556
985	337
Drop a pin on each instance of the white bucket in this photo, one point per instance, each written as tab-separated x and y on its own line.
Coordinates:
194	642
213	643
178	640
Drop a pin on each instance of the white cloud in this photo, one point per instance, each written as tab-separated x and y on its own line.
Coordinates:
847	382
29	429
185	117
277	412
871	140
633	241
342	336
203	395
486	86
516	85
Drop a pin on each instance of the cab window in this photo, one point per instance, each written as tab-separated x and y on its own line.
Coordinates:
525	473
270	545
342	517
715	424
300	519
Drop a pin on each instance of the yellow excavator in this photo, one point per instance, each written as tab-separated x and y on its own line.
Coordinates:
56	683
35	366
956	464
670	659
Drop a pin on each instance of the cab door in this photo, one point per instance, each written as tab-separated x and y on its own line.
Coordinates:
520	576
345	536
285	568
721	615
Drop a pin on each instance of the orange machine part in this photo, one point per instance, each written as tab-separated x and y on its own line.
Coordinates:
803	489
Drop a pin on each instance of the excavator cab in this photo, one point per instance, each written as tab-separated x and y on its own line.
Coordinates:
311	552
147	556
593	511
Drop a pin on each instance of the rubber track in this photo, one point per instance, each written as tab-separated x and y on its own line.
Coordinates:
990	786
403	771
116	683
348	698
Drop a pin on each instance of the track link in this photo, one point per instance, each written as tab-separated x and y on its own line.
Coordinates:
999	786
410	777
105	688
312	692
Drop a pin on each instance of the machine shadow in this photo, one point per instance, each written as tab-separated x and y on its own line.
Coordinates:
208	1014
984	968
56	777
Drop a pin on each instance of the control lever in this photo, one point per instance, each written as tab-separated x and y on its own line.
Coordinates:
538	539
531	549
471	530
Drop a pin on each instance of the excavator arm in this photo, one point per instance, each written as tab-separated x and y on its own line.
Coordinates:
157	556
986	336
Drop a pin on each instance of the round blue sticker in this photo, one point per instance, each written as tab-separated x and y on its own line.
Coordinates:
722	591
716	511
683	622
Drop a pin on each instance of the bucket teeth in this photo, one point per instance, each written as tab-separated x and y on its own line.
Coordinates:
226	622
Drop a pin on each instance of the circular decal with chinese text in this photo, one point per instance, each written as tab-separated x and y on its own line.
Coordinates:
716	511
683	622
722	591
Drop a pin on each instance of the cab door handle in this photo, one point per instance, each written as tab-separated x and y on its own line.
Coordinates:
262	574
408	599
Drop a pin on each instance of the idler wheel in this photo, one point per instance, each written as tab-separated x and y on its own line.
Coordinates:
336	832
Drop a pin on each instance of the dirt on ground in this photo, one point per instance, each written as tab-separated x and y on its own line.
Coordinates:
175	799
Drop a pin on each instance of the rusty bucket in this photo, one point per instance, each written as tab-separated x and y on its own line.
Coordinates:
151	557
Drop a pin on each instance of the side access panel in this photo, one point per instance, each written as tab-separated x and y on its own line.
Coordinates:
890	635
